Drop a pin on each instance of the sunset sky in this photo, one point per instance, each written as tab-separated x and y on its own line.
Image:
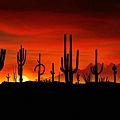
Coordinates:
39	26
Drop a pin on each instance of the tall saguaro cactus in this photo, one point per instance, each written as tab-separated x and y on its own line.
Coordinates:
21	59
94	69
39	67
67	68
52	72
2	58
114	68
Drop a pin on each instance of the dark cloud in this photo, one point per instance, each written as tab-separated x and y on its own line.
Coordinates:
10	35
6	37
62	5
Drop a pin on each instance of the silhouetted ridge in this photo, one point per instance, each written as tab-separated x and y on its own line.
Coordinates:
61	99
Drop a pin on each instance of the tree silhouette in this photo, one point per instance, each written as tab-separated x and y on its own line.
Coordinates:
39	67
94	69
21	59
67	68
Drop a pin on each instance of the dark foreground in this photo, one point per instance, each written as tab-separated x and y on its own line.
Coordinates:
59	100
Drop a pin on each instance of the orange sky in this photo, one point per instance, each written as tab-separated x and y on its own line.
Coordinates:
40	28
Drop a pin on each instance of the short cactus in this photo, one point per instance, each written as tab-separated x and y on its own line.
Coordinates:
52	72
114	68
8	77
39	67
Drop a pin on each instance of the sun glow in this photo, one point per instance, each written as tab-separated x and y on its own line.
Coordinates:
24	78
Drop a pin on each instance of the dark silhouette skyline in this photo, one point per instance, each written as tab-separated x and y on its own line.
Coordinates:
66	68
39	26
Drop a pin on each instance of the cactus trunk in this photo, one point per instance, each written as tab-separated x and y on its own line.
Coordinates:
114	68
52	72
39	67
70	66
96	66
94	69
21	59
67	68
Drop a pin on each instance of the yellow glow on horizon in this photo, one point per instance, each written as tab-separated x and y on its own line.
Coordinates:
24	78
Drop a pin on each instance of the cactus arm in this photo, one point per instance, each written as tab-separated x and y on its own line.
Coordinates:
51	72
3	55
24	57
92	70
2	58
77	59
43	68
61	68
36	67
22	50
101	69
18	57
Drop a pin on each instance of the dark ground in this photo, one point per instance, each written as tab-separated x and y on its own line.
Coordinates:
59	101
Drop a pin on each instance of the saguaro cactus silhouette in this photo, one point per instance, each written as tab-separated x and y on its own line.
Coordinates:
67	68
8	77
52	72
39	67
2	58
14	74
114	68
94	69
21	58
